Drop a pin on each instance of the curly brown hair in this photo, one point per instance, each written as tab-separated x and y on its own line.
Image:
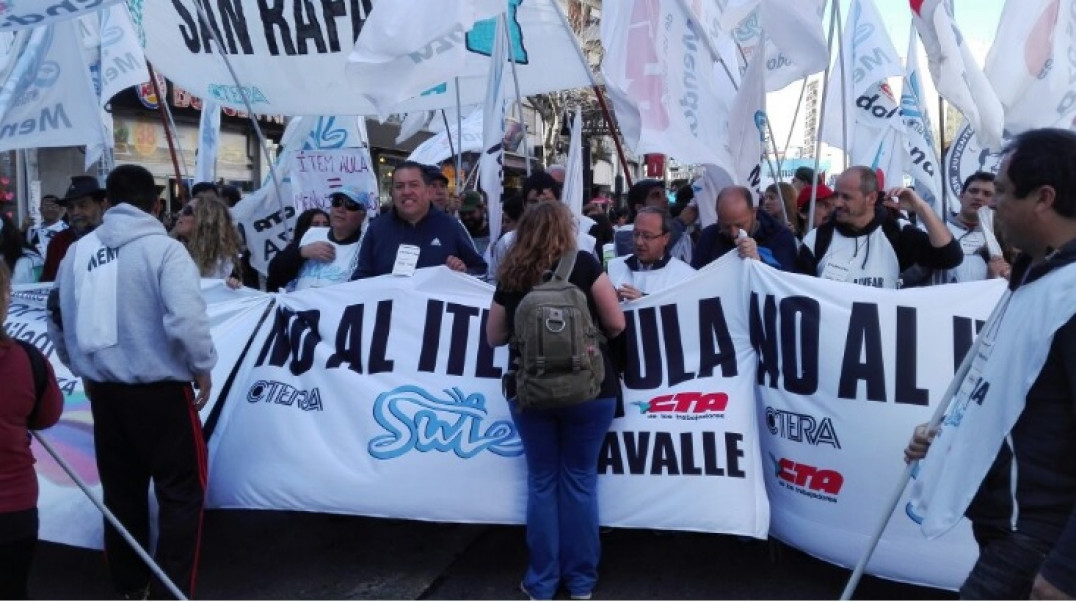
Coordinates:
546	231
215	238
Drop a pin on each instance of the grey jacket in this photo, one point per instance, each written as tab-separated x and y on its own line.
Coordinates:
163	329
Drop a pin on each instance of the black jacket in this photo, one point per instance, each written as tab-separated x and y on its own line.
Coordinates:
776	244
437	235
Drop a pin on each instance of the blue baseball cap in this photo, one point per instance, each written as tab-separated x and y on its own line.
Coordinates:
364	199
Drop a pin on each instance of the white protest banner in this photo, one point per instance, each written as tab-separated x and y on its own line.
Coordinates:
66	514
315	174
19	14
956	74
663	82
1032	64
967	155
291	59
45	102
404	386
440	146
265	220
921	161
845	372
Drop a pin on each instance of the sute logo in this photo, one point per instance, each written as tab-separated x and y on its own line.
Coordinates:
801	427
685	406
806	476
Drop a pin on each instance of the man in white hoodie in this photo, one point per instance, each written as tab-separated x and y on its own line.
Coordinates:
138	351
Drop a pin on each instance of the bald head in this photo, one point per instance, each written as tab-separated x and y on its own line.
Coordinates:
735	211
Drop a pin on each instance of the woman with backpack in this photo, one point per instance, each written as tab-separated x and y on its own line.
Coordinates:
29	401
561	438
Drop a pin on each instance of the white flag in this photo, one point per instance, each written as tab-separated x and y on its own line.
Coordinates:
491	164
869	59
1030	64
956	75
410	47
412	124
20	15
747	119
440	146
921	160
663	82
52	71
572	195
794	45
205	166
324	132
122	63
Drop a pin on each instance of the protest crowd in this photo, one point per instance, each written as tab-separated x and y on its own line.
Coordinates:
126	314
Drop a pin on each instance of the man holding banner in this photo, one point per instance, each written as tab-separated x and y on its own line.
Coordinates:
1005	455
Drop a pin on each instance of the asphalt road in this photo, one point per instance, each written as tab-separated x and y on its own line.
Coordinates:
249	554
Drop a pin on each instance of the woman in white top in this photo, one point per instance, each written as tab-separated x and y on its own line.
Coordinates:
21	258
206	227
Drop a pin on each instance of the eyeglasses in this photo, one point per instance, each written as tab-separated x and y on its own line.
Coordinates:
635	234
346	203
187	210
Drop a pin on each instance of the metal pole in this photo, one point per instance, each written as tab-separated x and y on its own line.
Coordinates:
451	147
935	420
519	98
459	136
844	81
795	116
250	110
168	136
833	18
111	518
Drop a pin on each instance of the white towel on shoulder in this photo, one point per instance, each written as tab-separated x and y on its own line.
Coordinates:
96	283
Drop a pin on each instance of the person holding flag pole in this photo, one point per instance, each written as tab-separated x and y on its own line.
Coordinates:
1002	444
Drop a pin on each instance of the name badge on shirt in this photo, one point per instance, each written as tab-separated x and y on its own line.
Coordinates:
406	260
836	271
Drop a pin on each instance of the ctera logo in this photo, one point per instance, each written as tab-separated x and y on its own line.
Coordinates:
685	406
801	427
806	479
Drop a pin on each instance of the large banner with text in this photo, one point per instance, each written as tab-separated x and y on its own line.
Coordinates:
747	392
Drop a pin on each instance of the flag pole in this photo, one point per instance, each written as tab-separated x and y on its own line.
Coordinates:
168	136
844	86
250	112
452	149
935	420
459	136
834	16
111	518
519	98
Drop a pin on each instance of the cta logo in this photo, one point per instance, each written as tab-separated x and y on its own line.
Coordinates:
685	406
807	480
801	428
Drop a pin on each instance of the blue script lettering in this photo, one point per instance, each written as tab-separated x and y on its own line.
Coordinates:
416	420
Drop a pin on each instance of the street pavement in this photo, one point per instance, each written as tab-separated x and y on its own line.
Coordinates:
249	554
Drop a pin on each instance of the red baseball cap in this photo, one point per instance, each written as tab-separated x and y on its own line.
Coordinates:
824	192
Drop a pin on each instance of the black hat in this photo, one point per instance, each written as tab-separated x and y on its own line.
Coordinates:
434	173
83	186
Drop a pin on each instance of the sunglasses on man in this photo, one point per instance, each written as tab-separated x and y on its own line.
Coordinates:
346	203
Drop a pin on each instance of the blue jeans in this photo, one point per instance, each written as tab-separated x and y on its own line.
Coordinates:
562	446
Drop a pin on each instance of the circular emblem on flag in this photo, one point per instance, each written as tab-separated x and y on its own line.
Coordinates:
965	157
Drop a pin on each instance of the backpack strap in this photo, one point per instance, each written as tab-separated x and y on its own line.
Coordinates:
823	236
37	367
565	265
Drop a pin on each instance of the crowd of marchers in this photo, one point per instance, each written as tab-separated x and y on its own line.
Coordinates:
126	315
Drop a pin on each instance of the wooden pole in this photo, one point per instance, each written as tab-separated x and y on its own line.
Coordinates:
614	133
168	136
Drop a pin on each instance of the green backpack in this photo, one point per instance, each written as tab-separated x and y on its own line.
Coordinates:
560	361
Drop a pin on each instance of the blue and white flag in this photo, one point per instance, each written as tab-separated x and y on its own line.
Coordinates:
921	161
21	14
122	63
747	125
491	165
572	195
205	166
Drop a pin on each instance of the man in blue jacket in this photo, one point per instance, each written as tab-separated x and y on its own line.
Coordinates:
414	232
740	225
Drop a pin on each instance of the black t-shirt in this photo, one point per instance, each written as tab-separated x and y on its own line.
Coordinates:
587	270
